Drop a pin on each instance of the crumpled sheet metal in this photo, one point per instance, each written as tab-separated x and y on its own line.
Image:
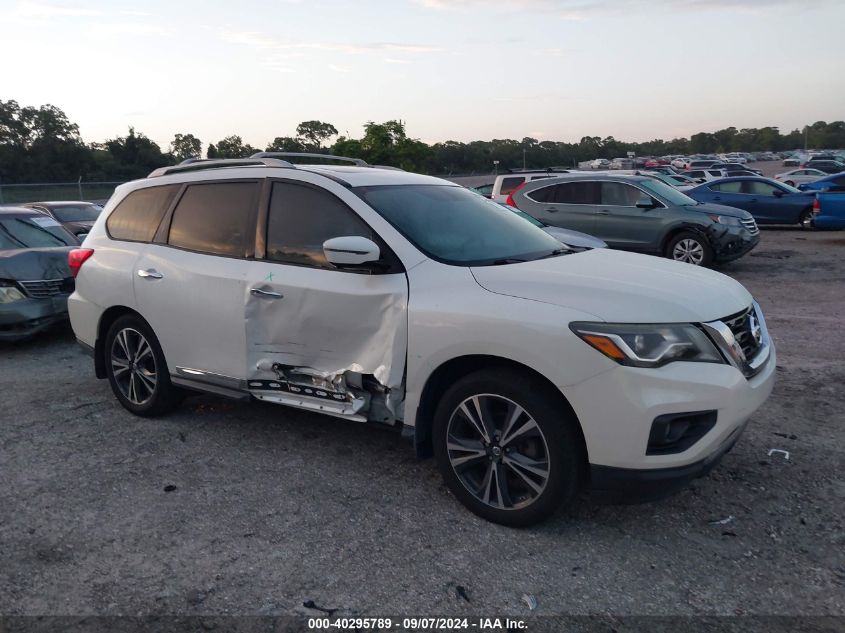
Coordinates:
363	329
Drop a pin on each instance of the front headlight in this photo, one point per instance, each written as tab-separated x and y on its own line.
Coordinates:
648	345
726	220
9	293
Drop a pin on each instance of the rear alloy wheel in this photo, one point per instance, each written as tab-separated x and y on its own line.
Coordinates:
506	449
137	370
807	219
690	248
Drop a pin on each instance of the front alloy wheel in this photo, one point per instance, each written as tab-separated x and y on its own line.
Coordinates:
690	248
507	446
498	452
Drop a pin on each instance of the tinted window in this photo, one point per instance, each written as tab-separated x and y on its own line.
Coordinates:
457	226
509	184
138	215
215	218
586	192
543	194
728	187
302	218
757	188
619	194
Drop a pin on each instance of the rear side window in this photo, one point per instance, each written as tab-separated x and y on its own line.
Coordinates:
215	218
509	184
578	193
619	194
543	194
302	218
728	187
138	215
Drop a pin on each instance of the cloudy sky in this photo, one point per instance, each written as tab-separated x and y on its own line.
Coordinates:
452	69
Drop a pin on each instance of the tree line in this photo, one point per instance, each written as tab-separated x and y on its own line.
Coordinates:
40	144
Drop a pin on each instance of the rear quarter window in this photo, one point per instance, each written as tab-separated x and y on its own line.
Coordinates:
138	215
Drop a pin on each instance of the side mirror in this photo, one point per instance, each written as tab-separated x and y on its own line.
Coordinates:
350	251
777	193
645	202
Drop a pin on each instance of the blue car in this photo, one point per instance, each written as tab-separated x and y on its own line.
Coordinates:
834	182
769	201
830	211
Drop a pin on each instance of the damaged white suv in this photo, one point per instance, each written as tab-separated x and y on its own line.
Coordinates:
529	369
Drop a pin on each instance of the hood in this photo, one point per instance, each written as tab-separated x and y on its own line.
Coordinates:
620	287
574	238
35	263
720	209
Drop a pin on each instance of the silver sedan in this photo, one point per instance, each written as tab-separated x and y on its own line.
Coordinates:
796	177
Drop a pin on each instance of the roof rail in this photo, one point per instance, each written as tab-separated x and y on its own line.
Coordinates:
195	164
357	161
515	170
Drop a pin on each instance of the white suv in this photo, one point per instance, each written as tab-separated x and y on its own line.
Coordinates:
530	370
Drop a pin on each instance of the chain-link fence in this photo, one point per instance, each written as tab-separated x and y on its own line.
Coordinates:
47	191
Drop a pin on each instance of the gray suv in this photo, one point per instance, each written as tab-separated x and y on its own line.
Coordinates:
640	213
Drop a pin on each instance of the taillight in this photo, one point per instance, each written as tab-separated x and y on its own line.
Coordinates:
817	206
76	258
510	200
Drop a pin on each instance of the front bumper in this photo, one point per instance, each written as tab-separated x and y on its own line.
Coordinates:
733	245
617	409
25	318
631	485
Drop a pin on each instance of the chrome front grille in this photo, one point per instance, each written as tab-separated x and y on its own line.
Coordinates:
46	288
745	328
751	226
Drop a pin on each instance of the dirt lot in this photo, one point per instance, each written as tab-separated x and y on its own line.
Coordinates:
229	508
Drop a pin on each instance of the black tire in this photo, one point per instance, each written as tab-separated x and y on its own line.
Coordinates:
807	220
147	366
555	446
691	248
790	183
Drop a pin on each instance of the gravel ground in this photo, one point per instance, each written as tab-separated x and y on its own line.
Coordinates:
231	508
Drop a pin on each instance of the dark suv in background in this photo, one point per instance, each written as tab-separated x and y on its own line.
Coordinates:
640	213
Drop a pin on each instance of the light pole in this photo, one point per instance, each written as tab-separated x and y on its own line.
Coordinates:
523	159
496	167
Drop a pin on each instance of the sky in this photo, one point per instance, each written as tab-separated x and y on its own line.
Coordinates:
451	69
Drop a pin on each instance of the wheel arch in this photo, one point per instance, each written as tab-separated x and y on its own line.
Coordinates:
447	373
106	319
683	228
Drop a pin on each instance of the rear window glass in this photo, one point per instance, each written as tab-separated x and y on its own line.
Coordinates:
32	232
509	184
80	213
138	215
215	218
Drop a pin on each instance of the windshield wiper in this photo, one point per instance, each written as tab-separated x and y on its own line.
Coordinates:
508	260
554	253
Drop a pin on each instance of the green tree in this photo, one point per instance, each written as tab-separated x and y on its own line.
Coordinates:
286	144
315	133
135	155
185	146
230	147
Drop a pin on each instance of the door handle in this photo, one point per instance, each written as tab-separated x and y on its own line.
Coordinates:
603	212
551	210
150	274
258	292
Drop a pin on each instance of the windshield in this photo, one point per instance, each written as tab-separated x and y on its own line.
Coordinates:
668	193
82	213
458	227
18	233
